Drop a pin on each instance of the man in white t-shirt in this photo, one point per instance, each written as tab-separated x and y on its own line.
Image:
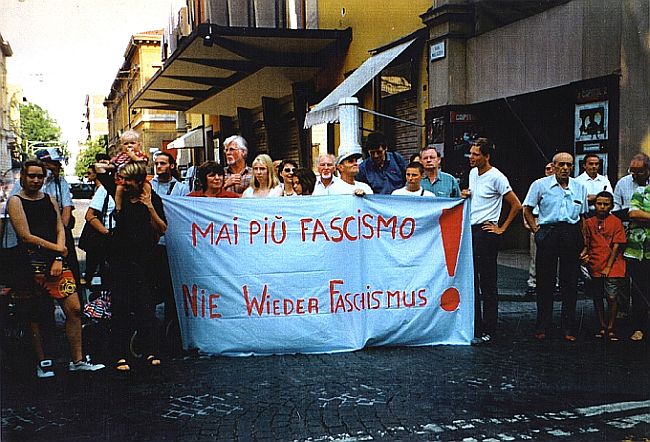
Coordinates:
348	166
488	187
414	174
592	180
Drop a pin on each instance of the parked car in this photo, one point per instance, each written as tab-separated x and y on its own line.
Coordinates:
82	190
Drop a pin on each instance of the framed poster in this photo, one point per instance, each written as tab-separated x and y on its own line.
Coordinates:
591	121
580	160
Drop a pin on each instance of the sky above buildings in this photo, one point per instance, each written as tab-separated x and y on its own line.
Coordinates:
65	49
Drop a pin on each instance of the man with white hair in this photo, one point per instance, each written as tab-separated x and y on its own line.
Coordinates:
326	167
238	174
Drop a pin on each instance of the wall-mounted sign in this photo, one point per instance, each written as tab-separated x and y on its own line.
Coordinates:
591	121
437	51
461	117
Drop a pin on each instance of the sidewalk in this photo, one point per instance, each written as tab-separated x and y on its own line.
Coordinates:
513	274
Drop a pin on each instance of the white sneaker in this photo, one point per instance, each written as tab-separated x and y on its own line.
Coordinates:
84	365
45	369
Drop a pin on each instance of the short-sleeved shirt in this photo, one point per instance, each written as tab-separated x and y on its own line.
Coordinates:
97	203
340	187
246	176
162	188
557	204
623	192
602	234
386	179
595	185
638	235
487	191
320	189
405	192
445	185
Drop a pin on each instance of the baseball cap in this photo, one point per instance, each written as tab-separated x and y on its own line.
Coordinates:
51	154
345	155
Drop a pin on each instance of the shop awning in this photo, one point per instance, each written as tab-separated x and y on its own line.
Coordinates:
327	110
193	138
217	69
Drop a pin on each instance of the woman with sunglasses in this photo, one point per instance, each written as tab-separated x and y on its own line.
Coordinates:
286	170
36	219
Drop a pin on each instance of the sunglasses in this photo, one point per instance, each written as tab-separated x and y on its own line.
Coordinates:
288	170
35	175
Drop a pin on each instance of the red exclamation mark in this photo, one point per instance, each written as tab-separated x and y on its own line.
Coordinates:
451	225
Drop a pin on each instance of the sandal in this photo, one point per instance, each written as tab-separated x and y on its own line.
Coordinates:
600	334
612	336
153	361
122	366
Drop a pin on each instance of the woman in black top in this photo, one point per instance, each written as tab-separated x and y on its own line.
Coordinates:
139	224
36	219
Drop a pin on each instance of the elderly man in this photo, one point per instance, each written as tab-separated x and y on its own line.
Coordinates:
636	178
382	170
592	180
435	180
348	166
238	174
637	252
326	168
488	188
562	203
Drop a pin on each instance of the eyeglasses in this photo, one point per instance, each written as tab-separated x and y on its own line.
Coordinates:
637	171
40	176
288	170
230	149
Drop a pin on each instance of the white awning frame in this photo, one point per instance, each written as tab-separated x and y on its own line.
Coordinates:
192	139
327	111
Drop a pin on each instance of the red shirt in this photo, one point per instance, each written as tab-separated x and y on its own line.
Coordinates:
601	236
222	194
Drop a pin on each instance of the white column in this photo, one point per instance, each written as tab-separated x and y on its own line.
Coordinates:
349	125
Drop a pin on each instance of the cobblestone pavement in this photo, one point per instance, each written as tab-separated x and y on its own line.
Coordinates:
513	389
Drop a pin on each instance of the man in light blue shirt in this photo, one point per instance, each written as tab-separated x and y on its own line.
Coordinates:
435	180
562	203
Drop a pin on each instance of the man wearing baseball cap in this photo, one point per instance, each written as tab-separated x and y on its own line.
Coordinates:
348	166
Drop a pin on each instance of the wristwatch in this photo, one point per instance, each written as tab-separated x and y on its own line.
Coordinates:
58	258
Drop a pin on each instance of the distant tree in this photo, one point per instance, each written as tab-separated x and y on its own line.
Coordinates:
87	154
37	125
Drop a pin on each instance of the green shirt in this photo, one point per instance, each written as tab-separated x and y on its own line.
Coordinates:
638	235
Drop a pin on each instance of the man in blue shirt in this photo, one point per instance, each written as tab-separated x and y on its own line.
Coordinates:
562	203
435	180
383	171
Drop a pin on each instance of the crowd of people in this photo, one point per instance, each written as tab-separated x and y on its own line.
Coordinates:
573	222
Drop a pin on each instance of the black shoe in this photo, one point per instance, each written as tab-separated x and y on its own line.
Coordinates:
482	340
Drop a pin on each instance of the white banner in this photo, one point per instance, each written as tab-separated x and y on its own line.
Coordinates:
320	274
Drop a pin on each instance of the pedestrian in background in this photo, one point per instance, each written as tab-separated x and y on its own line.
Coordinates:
562	205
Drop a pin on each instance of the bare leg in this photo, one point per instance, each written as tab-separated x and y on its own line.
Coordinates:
613	309
72	312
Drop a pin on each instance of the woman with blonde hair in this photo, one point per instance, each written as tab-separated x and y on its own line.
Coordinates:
265	181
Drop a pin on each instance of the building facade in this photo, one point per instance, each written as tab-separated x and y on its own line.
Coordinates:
7	135
95	123
141	60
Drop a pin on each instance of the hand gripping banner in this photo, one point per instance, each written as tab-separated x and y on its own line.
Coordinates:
320	274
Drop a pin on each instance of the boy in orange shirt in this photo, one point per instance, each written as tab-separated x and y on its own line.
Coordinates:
602	254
